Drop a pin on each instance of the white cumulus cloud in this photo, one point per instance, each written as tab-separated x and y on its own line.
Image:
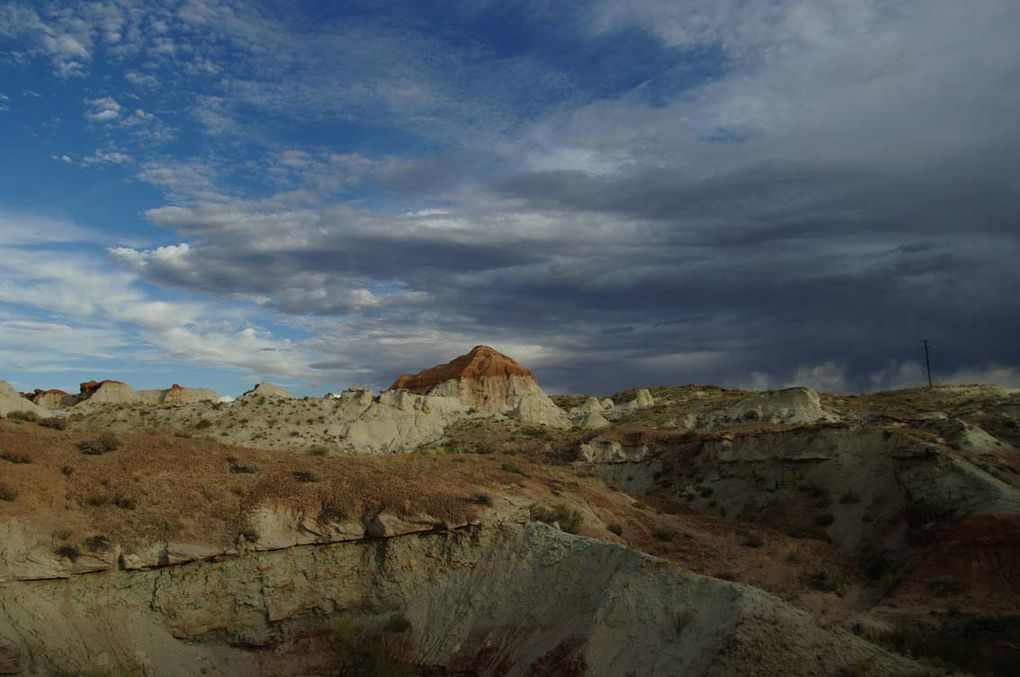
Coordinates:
103	109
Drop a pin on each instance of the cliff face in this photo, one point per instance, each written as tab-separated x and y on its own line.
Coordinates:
510	598
11	400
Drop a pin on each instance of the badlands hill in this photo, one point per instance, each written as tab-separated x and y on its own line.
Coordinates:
661	531
109	391
488	381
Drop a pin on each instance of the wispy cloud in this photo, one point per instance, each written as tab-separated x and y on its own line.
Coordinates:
85	297
103	109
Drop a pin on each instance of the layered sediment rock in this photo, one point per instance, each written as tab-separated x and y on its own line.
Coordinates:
488	381
177	395
512	598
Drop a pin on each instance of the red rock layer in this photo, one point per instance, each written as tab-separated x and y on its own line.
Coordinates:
89	388
39	393
480	362
980	551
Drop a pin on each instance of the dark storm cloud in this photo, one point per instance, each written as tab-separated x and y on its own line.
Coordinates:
863	202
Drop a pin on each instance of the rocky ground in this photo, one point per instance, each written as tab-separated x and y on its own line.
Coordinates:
683	530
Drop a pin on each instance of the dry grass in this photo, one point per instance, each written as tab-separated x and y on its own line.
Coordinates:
158	488
537	443
957	401
189	489
28	416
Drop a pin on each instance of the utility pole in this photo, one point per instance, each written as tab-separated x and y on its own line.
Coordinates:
927	360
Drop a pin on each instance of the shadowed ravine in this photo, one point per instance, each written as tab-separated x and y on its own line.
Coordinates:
512	598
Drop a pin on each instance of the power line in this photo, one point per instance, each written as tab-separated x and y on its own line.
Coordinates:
927	360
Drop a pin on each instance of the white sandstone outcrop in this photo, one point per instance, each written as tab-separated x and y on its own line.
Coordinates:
972	438
177	395
642	400
601	450
791	405
268	390
114	392
94	394
592	420
397	420
12	400
589	405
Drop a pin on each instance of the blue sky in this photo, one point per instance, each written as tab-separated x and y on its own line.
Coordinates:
616	193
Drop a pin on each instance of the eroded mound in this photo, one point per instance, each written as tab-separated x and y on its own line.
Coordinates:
479	362
12	401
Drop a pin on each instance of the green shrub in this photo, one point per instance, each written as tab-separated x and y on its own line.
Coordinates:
203	423
664	534
54	422
106	442
237	468
481	498
827	582
568	519
123	502
28	416
752	541
7	493
68	551
397	623
615	529
97	543
14	457
305	476
512	467
346	632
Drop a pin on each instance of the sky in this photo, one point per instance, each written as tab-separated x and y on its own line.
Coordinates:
749	193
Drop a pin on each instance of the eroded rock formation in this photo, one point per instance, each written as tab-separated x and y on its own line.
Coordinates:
487	381
51	399
512	598
268	390
11	400
791	405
